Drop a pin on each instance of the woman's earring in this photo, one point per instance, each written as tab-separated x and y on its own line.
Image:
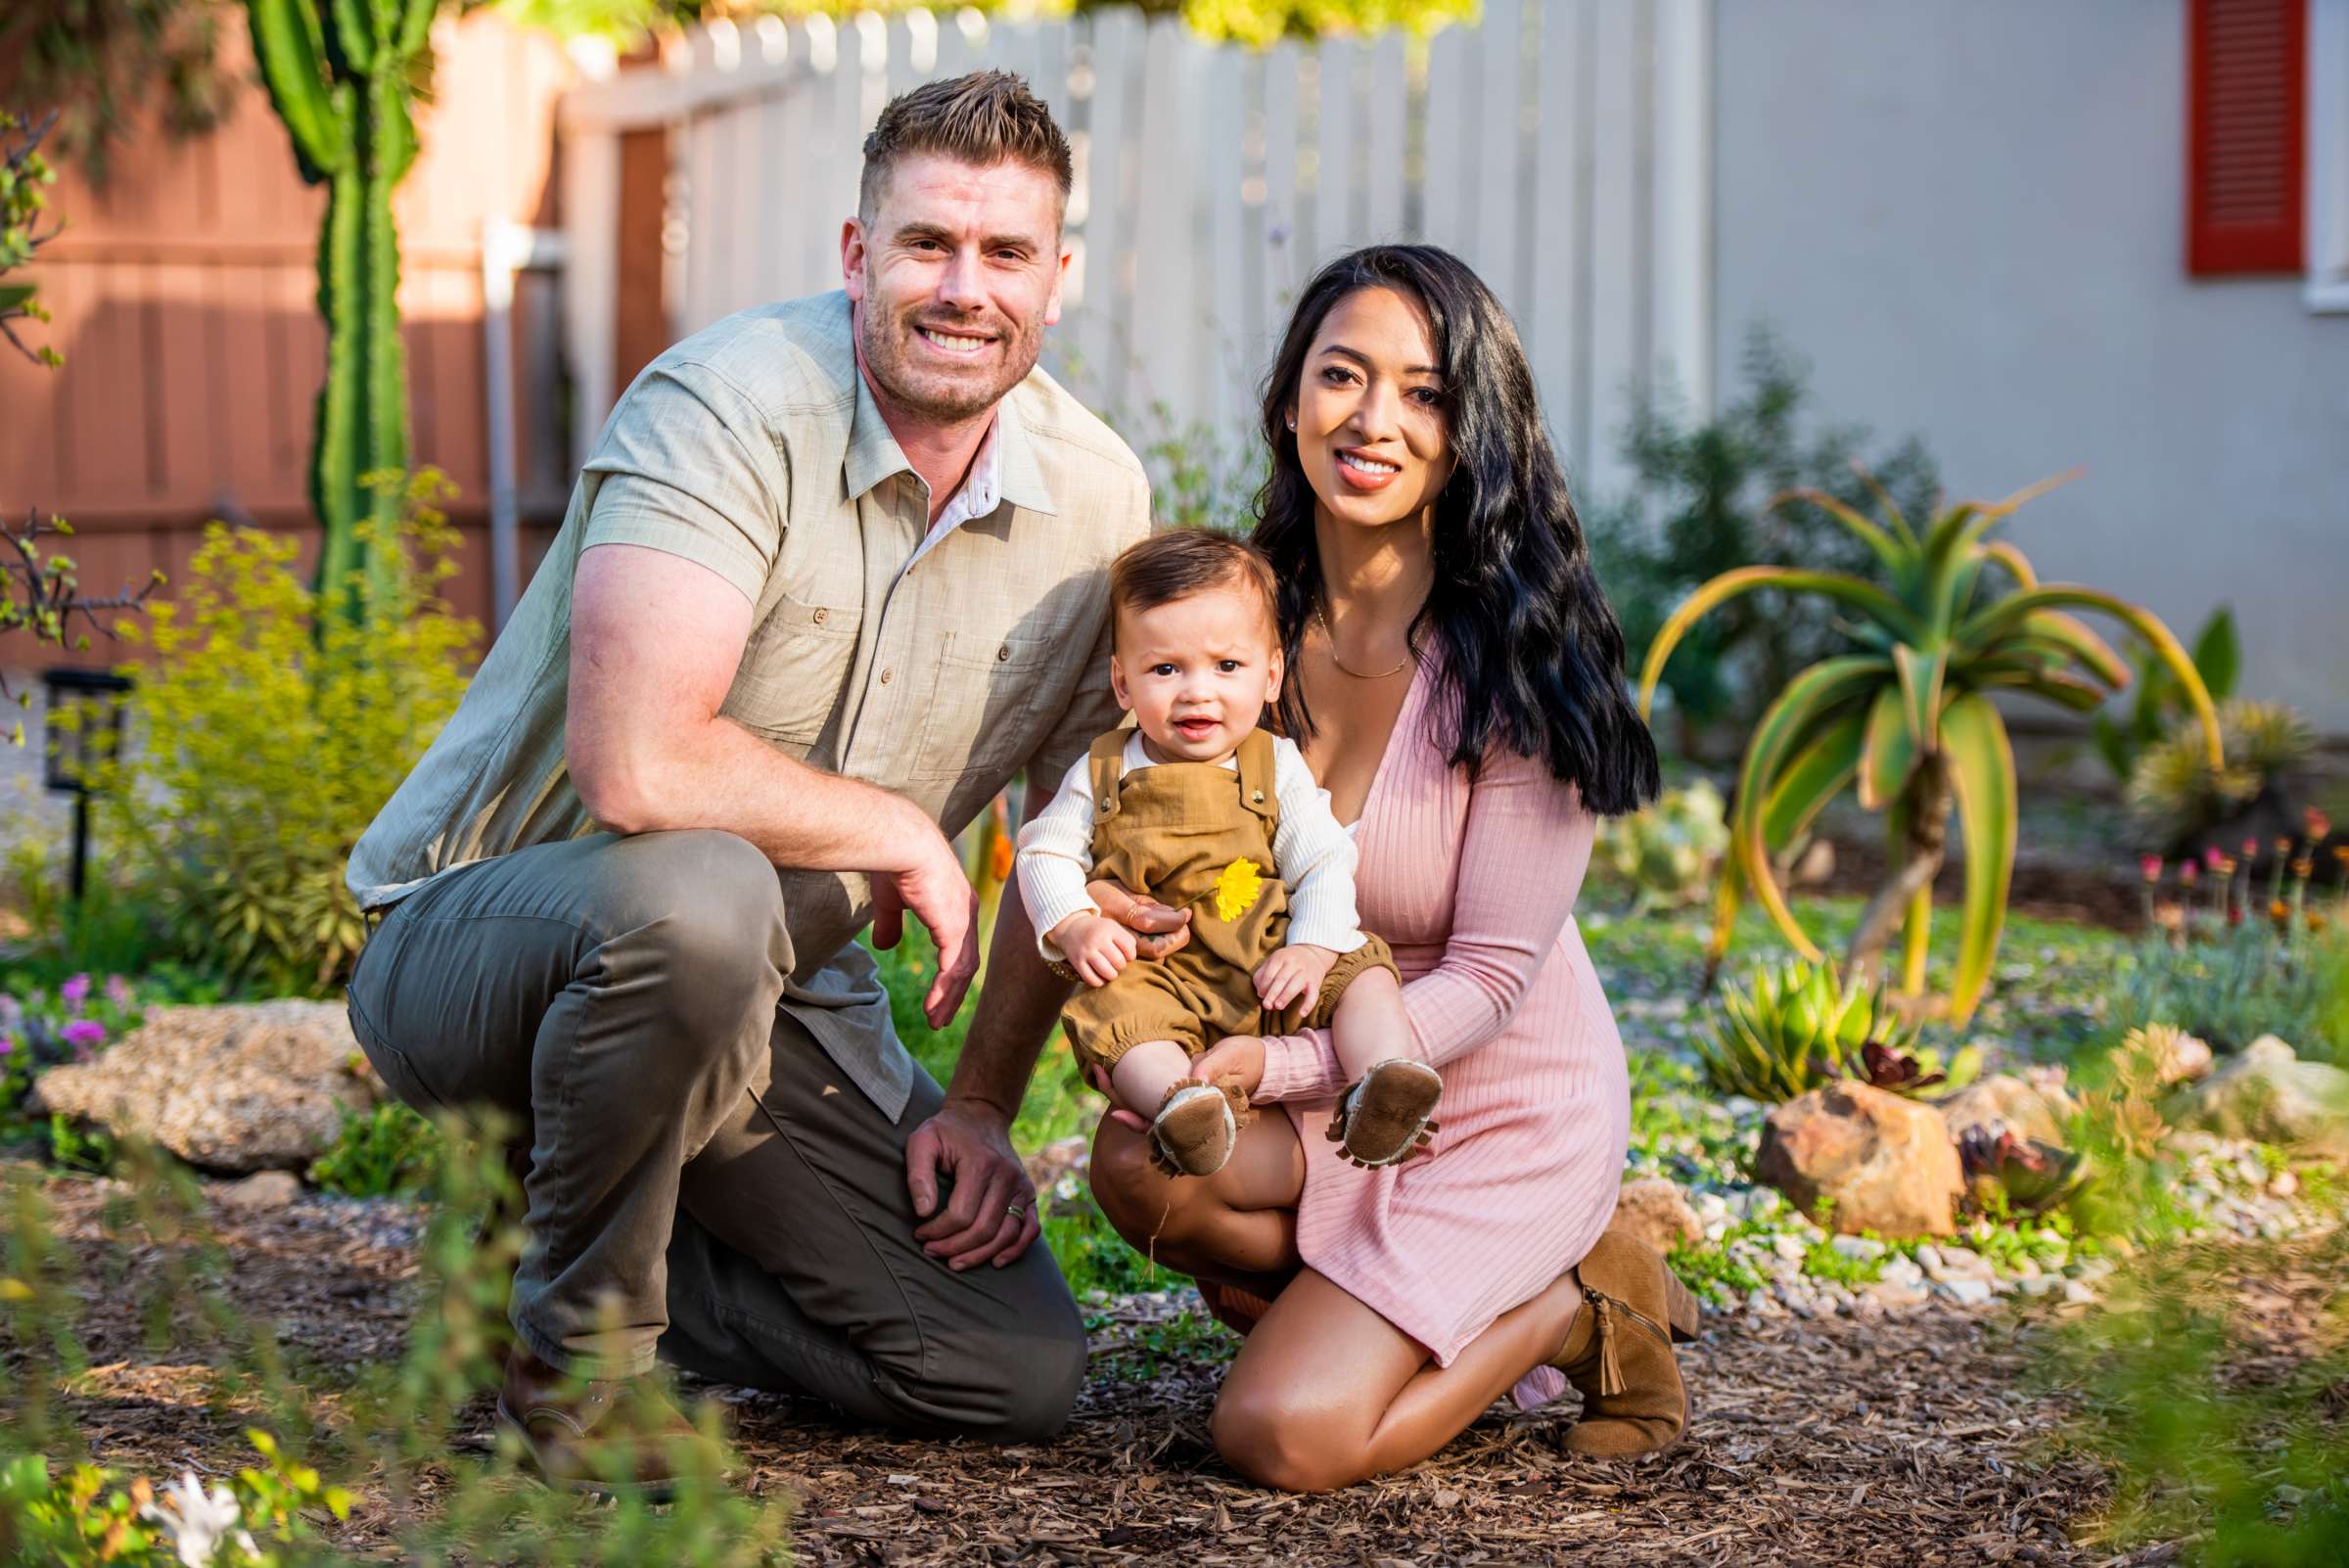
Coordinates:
1292	424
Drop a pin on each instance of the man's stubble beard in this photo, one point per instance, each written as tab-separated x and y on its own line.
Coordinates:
948	401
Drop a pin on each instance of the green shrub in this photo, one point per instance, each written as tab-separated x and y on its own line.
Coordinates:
1668	854
272	733
388	1151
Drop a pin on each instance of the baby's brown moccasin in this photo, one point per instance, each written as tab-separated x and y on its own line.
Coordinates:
1196	1127
1384	1118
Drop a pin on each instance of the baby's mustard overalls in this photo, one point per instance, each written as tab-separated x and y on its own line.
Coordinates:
1172	831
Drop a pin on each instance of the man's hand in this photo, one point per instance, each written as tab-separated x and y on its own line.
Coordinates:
1159	929
1293	973
933	887
990	1217
1094	946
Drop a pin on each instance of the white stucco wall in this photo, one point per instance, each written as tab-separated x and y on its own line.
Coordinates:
1969	217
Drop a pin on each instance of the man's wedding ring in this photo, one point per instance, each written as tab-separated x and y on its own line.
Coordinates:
1018	1209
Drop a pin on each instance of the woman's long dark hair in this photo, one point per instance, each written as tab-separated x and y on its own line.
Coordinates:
1532	654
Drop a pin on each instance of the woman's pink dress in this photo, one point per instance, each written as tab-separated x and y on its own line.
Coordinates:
1473	884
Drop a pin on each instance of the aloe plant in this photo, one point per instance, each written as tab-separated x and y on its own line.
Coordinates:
1793	1028
342	74
1908	713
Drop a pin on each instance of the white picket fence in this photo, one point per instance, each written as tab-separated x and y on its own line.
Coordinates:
1561	147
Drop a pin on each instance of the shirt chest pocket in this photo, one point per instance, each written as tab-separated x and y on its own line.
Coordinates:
794	670
996	698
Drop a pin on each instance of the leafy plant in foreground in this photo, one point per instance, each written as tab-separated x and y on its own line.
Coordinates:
1908	715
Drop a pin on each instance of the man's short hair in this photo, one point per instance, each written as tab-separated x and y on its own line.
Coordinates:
1182	562
984	118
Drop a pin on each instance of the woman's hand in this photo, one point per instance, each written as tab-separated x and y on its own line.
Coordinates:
1158	928
1239	1057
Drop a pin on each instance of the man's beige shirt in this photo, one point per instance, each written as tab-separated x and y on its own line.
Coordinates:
755	449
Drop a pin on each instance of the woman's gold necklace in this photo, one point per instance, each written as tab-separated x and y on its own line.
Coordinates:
1330	639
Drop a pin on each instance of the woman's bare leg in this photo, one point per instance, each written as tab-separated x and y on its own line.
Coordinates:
1327	1392
1237	1227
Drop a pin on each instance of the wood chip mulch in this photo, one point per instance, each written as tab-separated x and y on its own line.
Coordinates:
1908	1441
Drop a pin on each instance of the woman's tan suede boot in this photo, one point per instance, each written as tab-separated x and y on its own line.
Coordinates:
1618	1354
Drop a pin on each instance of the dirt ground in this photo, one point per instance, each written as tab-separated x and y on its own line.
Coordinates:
1902	1441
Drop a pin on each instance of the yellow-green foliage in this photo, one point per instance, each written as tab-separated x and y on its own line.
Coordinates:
270	734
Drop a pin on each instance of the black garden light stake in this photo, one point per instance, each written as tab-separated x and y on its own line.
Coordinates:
74	749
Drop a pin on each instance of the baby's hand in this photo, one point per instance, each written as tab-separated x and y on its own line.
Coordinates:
1096	946
1291	974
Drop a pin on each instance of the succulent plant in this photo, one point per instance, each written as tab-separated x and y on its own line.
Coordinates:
2173	792
1909	717
1669	852
1793	1028
2031	1175
1884	1066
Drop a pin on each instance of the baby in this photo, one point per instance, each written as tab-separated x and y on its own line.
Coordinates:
1198	808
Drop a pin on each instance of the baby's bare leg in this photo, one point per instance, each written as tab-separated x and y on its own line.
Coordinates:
1142	1076
1368	1025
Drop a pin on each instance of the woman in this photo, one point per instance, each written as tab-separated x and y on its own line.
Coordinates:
1455	683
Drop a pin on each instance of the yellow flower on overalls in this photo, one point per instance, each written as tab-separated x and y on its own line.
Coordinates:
1238	889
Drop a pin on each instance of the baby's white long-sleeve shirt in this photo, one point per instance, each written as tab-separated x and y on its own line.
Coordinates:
1312	854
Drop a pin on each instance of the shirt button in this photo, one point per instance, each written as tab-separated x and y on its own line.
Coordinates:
1004	653
820	615
884	678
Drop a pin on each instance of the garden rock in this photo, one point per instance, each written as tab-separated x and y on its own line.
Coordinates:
1884	1163
2269	1094
258	1087
2003	1102
264	1189
1654	1210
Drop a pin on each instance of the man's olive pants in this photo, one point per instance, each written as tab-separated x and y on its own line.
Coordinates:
700	1178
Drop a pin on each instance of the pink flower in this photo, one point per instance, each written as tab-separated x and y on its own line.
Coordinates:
2316	823
117	991
2250	849
74	992
2212	856
2188	871
2151	866
8	1042
84	1033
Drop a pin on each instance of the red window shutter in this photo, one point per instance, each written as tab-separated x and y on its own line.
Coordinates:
2246	96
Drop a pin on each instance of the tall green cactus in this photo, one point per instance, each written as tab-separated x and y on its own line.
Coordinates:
340	74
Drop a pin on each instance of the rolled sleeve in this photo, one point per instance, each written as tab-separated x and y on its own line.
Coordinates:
689	467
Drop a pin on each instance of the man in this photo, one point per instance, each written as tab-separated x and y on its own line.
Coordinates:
833	576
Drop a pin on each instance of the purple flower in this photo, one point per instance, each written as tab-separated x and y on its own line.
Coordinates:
117	991
8	1042
84	1033
74	992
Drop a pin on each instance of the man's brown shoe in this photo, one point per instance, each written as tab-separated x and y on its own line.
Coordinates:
1619	1352
605	1436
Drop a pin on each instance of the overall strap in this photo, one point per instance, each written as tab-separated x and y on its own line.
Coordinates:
1257	767
1103	758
